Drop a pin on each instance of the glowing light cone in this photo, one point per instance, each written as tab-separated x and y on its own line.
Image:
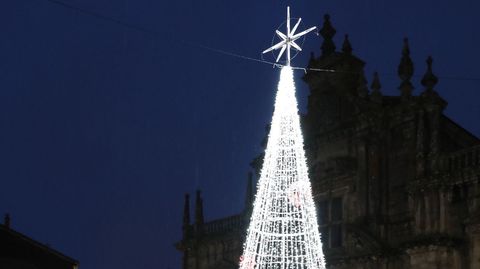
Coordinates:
283	231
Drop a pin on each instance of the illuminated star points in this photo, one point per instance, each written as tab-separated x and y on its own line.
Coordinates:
288	39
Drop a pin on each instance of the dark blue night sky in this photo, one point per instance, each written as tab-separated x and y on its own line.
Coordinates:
104	127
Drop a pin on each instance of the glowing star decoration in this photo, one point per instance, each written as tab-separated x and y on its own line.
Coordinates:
288	39
283	231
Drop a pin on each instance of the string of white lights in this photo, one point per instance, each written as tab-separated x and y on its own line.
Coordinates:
283	231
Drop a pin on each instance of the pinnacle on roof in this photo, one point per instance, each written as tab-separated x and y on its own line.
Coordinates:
376	86
429	80
362	88
7	220
327	33
249	195
186	210
312	59
199	209
405	70
347	47
186	215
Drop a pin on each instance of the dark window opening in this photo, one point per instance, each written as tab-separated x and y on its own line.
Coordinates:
337	209
330	215
323	212
336	236
325	236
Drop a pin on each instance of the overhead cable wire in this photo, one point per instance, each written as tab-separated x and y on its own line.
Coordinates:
212	49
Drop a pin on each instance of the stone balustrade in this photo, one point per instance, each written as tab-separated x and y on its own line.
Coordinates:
460	160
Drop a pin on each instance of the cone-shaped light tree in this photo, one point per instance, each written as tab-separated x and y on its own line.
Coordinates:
283	231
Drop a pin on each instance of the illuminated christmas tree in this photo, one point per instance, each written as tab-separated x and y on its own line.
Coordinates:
283	231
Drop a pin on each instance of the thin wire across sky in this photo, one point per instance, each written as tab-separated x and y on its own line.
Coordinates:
174	40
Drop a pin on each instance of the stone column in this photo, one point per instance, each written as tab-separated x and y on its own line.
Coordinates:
473	232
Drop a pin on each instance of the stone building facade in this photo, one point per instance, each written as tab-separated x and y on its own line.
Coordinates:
396	182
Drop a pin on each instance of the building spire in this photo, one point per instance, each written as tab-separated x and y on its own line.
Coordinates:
327	33
311	61
199	210
429	80
347	47
362	88
376	95
186	214
7	221
249	193
405	70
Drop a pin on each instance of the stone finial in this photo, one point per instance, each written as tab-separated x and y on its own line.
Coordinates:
347	47
362	88
199	209
429	80
327	32
311	61
186	211
376	86
7	221
405	70
249	193
186	217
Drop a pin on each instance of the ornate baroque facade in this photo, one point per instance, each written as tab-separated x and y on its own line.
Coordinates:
396	182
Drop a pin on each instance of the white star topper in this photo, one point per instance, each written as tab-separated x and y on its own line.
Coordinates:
288	40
